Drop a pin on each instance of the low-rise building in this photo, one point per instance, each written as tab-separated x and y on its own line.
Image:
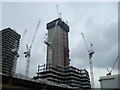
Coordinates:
111	81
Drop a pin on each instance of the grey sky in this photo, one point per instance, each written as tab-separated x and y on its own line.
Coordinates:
98	21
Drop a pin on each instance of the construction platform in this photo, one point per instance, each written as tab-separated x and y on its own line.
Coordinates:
68	75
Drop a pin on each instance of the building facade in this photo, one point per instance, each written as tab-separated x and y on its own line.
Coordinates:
57	47
8	51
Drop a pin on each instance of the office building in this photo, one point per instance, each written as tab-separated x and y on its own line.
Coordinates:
9	40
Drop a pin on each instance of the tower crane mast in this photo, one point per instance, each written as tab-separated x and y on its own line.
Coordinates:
90	53
58	13
28	52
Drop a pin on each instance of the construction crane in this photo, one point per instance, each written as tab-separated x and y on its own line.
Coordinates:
110	71
22	38
90	53
21	41
28	52
15	51
58	13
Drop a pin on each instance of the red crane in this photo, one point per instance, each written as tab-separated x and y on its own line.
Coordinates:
110	71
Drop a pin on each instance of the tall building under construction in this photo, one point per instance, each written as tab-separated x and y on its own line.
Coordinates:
9	44
58	50
57	68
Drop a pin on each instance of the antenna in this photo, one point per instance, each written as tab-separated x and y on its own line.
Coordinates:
58	13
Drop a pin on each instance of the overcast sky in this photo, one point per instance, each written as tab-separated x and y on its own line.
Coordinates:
98	21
